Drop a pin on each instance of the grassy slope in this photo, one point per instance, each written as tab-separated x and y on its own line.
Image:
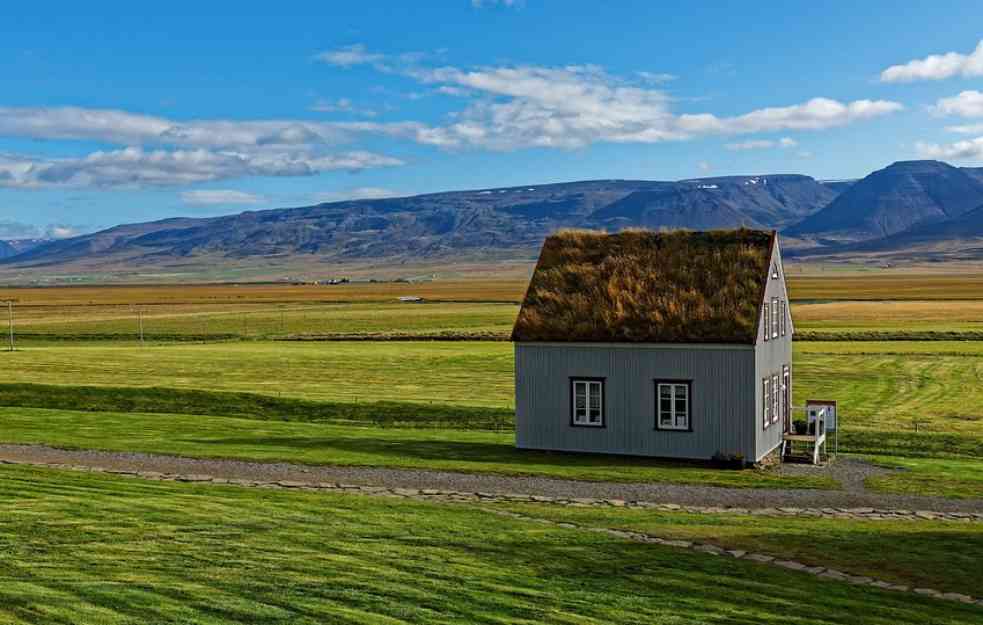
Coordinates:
936	554
86	549
327	444
884	388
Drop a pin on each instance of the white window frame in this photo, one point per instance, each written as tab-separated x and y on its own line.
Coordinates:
593	389
680	421
767	321
774	318
786	392
766	403
783	311
776	401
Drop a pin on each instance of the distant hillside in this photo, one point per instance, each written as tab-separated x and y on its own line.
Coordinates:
7	250
893	200
907	211
506	222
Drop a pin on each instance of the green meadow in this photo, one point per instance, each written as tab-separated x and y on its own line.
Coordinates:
87	549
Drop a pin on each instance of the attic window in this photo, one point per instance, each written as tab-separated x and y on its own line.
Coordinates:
774	273
587	407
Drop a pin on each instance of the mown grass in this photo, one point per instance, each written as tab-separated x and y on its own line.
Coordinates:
885	389
935	554
254	406
351	445
899	398
88	549
946	477
191	322
446	373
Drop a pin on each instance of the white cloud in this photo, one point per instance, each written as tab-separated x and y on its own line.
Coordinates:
124	128
341	105
762	144
349	56
966	104
966	129
358	193
209	197
937	67
574	106
970	149
704	166
656	78
135	167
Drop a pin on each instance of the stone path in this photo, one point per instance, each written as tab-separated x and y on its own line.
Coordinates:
484	498
850	473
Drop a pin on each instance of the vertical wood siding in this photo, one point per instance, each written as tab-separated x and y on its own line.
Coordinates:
722	411
770	357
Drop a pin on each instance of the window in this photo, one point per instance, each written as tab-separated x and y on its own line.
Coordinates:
774	273
784	315
787	395
766	403
672	405
774	317
588	402
767	317
775	399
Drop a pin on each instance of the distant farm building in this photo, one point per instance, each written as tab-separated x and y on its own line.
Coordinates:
675	345
411	299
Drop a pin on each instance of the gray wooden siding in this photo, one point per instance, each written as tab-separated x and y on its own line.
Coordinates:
770	357
722	411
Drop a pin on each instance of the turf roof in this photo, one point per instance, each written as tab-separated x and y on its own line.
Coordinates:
641	286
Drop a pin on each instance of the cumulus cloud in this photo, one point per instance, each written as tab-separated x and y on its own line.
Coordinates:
210	197
135	167
966	104
341	105
761	144
573	107
937	67
970	149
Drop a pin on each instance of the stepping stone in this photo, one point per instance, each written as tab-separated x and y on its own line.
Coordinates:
759	557
709	549
955	596
928	592
683	544
406	492
736	553
790	564
193	478
290	484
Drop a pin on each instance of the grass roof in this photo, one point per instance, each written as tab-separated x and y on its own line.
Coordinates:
641	286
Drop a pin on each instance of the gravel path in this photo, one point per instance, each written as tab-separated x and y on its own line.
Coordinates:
849	472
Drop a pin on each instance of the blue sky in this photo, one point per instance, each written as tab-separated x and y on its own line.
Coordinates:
111	115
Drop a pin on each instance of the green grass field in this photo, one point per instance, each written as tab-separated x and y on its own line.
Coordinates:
936	554
202	321
349	445
90	549
910	400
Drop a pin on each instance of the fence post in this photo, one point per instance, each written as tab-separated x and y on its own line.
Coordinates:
10	324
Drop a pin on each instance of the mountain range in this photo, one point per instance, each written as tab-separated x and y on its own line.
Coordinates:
908	208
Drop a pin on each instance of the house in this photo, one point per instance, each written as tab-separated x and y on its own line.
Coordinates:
666	344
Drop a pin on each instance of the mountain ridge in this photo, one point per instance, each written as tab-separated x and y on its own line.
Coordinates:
905	205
